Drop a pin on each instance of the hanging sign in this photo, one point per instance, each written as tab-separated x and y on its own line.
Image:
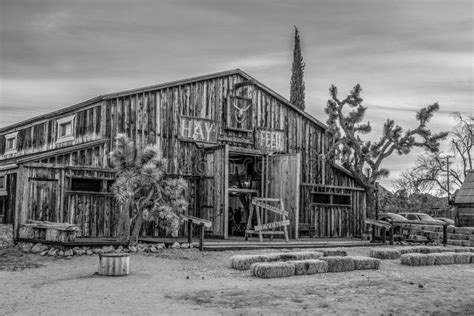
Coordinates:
197	129
270	139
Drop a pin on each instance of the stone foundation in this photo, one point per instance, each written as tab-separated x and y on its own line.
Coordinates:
6	235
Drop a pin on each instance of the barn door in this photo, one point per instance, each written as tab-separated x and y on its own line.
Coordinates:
43	200
283	181
214	202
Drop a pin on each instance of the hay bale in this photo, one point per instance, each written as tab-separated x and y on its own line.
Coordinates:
404	250
411	259
385	253
268	270
366	263
339	263
334	252
243	262
310	266
292	256
462	257
443	258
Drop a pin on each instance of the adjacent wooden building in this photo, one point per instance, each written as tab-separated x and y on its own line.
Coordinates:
464	202
231	137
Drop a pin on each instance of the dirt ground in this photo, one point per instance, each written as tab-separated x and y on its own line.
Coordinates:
191	282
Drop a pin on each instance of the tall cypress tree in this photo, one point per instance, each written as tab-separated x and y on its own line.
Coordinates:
297	72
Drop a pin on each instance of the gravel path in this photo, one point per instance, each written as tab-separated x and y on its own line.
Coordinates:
191	282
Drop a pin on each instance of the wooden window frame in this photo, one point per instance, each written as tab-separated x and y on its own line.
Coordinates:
8	138
64	121
229	113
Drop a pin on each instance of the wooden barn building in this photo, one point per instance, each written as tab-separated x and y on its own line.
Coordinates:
464	202
228	135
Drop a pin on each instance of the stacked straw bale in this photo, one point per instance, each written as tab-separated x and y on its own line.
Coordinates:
385	253
310	266
462	257
334	252
339	263
243	262
366	263
417	259
443	258
268	270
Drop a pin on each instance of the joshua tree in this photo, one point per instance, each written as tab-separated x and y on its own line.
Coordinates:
144	191
364	158
297	72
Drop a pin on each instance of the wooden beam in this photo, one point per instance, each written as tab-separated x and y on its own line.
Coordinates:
331	187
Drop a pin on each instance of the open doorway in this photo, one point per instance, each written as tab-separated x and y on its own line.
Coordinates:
245	183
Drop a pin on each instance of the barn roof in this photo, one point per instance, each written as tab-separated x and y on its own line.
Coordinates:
161	86
465	195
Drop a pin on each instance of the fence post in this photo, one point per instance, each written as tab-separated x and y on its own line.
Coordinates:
391	235
445	234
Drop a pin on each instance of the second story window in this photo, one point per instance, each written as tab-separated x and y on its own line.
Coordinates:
65	129
10	143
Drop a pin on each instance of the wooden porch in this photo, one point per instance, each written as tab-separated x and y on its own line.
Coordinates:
234	243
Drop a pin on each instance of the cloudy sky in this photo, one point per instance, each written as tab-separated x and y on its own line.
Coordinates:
405	54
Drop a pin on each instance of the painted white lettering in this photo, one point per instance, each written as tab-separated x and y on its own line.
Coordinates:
209	127
185	127
198	135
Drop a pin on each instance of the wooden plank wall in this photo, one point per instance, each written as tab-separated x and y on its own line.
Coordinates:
7	203
41	136
465	215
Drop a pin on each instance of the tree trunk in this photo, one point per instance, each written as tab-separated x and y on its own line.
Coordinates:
123	227
371	197
136	227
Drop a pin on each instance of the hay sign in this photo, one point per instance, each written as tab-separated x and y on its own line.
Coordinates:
197	129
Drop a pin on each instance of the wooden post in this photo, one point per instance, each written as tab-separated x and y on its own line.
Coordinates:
201	237
391	235
190	232
373	234
445	234
384	235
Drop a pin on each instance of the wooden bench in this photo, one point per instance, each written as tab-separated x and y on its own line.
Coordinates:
203	223
58	232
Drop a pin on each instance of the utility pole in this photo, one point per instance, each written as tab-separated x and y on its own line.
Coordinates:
447	170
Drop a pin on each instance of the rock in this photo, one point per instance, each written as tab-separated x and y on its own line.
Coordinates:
36	248
153	250
160	246
97	251
119	249
133	248
76	248
44	253
52	252
78	251
89	252
60	253
69	252
26	247
175	245
107	249
184	245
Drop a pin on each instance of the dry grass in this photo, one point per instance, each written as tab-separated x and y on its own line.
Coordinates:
366	263
268	270
310	266
385	253
339	263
